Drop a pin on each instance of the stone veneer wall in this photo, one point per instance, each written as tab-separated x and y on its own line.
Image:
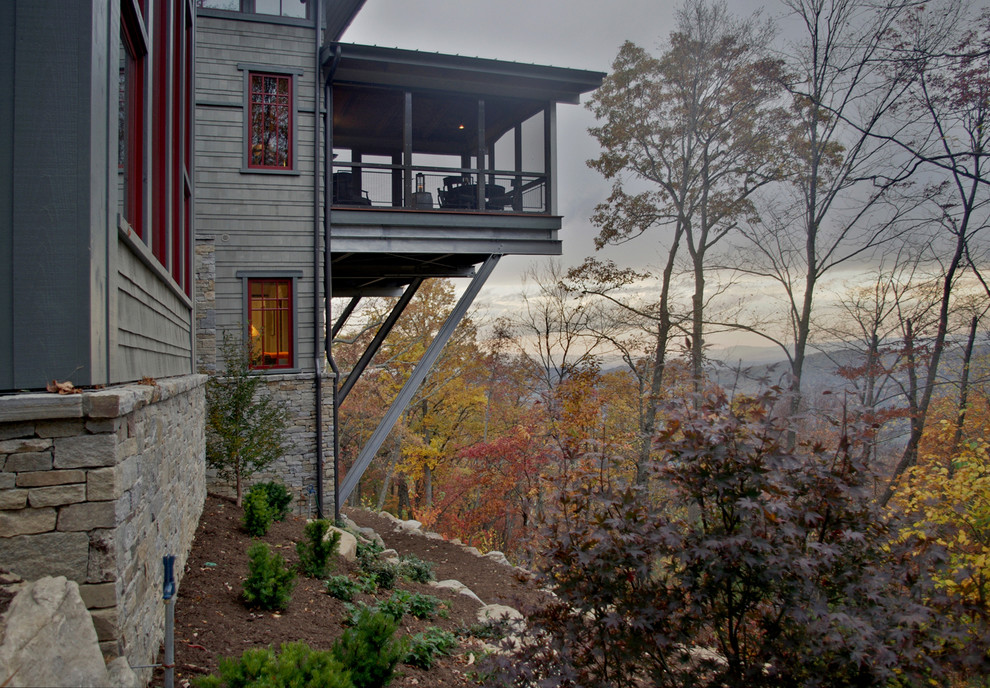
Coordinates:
297	468
97	487
206	305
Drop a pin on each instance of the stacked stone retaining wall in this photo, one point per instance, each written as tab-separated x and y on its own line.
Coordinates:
297	467
98	487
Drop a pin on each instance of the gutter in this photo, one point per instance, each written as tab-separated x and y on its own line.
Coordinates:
328	267
317	363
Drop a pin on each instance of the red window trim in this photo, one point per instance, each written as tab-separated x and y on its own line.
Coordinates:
286	308
133	38
290	124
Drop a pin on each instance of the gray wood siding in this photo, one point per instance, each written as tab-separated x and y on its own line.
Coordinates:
260	221
55	240
153	323
6	196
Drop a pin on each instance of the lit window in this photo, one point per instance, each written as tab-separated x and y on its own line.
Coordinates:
270	121
270	322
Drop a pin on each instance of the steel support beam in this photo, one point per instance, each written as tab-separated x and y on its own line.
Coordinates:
351	305
416	379
376	343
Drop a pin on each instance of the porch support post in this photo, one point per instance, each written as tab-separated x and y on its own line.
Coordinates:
416	379
407	150
376	343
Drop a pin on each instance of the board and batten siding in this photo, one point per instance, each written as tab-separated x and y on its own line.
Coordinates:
259	221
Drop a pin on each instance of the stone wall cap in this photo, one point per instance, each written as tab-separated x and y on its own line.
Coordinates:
39	406
102	403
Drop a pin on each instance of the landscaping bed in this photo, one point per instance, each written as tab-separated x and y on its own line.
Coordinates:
211	620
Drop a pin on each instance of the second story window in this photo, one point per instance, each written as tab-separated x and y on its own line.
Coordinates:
270	121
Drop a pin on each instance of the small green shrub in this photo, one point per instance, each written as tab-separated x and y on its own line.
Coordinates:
343	588
296	664
415	569
426	647
426	606
352	612
257	514
384	573
368	583
278	496
314	553
269	583
367	552
370	649
396	606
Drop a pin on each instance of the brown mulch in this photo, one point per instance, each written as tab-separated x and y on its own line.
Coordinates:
212	622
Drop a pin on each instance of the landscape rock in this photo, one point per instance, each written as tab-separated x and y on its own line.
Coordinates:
433	536
411	525
120	674
498	611
371	535
48	638
459	587
498	558
347	548
389	554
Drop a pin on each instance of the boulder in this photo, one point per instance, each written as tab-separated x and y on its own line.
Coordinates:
498	611
347	548
410	525
459	587
120	675
498	558
47	638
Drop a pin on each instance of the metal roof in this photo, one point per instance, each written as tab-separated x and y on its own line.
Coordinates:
367	64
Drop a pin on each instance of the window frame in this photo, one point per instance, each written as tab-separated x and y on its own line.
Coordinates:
248	277
134	41
292	74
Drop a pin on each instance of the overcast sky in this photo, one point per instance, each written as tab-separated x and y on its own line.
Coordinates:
581	34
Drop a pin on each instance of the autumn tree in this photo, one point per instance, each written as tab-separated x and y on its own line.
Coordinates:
948	52
688	137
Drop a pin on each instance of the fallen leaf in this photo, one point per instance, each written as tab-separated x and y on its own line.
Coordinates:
56	387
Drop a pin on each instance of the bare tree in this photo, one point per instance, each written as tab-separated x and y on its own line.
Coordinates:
688	137
950	109
837	209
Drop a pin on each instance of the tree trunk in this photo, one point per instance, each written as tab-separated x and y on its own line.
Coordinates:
963	391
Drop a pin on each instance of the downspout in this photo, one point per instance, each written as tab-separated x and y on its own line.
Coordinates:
317	363
327	269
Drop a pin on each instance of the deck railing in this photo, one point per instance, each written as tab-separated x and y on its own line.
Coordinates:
376	185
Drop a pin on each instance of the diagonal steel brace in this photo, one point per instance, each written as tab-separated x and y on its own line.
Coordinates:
415	380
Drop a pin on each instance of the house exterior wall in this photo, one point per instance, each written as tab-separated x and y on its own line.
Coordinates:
87	491
257	220
253	223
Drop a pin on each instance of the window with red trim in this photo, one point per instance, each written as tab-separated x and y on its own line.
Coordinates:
270	322
130	117
270	121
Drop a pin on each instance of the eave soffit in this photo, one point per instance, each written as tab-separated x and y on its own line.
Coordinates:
398	68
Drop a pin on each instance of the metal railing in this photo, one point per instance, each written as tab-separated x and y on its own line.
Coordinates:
375	185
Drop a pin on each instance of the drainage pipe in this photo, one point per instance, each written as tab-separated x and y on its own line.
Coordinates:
328	269
317	363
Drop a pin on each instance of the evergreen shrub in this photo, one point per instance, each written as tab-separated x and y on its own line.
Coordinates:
370	649
314	552
269	583
278	496
257	514
296	664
